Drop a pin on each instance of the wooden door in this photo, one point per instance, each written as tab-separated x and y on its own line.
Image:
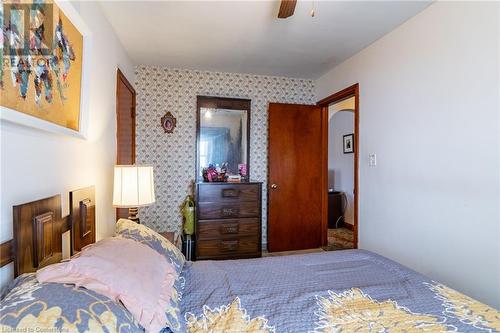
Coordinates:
125	127
296	176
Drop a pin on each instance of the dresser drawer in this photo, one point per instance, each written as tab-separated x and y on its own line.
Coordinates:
218	229
228	248
228	220
228	192
226	210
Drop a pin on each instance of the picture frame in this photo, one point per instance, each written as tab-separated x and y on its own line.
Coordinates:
19	118
168	122
348	143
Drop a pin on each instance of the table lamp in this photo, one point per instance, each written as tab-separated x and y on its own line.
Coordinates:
133	188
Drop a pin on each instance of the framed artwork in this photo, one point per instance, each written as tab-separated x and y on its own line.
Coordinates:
349	144
168	122
43	78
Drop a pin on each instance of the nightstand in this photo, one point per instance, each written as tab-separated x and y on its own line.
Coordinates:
168	235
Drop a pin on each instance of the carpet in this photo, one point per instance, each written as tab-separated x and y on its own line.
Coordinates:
340	239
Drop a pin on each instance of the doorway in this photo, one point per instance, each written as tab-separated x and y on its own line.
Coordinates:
341	160
298	174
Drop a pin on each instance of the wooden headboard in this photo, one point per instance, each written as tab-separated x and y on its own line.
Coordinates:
39	226
82	213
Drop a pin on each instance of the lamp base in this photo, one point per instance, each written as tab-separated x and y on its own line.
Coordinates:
132	215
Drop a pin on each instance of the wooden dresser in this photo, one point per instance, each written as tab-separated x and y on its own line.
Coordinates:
228	220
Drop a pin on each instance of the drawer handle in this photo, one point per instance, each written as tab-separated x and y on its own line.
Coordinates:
230	211
230	193
229	245
229	228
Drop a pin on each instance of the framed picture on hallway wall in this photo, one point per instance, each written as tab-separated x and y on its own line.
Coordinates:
349	144
45	85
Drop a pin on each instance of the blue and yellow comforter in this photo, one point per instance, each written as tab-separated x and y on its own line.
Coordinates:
344	291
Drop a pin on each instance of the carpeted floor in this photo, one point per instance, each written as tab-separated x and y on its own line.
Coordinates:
340	239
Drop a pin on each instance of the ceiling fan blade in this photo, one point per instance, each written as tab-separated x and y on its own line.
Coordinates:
287	8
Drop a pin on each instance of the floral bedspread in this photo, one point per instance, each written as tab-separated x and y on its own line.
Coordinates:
342	291
30	306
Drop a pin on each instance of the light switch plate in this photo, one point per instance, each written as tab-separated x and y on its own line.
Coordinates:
372	160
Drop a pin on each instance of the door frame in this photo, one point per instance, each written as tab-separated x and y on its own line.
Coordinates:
324	103
120	77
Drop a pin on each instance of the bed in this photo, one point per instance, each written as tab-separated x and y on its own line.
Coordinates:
341	291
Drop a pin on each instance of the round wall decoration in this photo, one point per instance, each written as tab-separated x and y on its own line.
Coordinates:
168	122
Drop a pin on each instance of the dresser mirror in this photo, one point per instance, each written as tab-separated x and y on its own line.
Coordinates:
223	137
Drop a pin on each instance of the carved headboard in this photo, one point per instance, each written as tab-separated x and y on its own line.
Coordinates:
39	226
82	212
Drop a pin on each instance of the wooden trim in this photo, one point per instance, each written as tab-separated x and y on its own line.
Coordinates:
340	95
66	223
356	164
6	252
223	102
324	175
121	77
324	103
287	8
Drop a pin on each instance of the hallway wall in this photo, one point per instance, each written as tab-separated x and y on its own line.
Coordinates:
340	165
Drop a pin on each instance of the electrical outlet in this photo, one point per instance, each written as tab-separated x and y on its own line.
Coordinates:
372	160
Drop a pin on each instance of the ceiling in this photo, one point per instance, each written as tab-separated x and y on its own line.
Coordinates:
246	36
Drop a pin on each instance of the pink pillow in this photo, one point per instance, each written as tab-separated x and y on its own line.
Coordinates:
123	270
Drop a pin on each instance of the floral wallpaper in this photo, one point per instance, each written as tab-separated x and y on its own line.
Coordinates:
160	90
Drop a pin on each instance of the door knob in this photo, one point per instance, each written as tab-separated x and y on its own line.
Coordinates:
274	186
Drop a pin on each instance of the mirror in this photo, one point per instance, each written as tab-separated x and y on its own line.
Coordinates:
223	135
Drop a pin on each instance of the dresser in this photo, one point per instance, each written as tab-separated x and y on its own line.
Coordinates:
228	220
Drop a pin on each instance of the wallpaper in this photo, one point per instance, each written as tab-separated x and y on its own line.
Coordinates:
160	90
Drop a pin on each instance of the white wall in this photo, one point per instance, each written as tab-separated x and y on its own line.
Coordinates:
36	164
429	108
340	165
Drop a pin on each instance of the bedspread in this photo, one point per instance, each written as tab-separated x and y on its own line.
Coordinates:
31	306
342	291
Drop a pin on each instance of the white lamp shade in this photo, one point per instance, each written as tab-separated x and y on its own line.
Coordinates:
133	186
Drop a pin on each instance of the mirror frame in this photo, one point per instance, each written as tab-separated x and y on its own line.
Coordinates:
221	103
